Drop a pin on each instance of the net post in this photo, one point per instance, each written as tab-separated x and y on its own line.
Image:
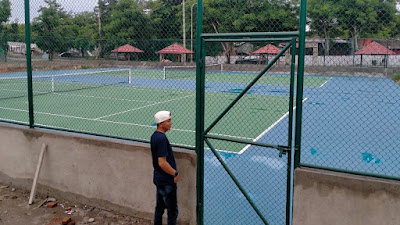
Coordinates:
130	76
52	83
222	67
164	73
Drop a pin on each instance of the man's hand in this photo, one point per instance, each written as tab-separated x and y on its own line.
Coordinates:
176	179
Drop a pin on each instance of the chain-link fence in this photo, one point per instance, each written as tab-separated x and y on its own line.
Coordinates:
351	122
105	67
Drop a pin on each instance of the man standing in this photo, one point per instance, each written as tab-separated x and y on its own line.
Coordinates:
165	172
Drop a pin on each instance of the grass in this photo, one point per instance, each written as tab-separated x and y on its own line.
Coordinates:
396	78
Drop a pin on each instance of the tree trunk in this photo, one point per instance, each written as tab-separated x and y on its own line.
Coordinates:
227	47
355	39
227	51
327	43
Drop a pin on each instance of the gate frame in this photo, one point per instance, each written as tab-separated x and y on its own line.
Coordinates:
201	134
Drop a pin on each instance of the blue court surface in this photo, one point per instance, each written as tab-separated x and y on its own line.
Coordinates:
350	123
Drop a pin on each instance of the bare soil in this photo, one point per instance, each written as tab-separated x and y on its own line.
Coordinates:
15	210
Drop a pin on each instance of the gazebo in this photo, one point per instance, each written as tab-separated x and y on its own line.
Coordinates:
127	49
173	49
375	49
268	50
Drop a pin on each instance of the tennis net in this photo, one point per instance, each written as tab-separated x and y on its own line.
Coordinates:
16	87
187	72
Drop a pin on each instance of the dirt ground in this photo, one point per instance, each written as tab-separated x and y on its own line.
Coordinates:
15	210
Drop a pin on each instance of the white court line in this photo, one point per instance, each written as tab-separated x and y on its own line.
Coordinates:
130	110
268	129
86	96
17	121
325	82
107	98
13	90
113	122
89	119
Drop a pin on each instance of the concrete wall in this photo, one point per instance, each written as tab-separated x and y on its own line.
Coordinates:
104	172
330	198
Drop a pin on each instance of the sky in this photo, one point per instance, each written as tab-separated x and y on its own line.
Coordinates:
18	12
76	6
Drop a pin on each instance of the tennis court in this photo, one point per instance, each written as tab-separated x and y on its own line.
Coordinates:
122	102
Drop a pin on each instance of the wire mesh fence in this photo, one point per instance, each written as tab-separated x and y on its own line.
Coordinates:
105	67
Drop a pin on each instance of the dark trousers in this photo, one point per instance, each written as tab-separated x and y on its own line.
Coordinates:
166	199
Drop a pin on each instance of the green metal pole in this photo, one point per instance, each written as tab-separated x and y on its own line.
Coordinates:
290	132
291	96
200	89
300	79
291	34
246	141
29	62
228	39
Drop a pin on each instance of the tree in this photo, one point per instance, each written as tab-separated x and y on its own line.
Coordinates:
103	9
221	16
386	19
51	25
127	23
5	13
166	18
367	18
86	25
324	19
15	31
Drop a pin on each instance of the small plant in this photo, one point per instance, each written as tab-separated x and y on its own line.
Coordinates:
396	78
374	62
85	67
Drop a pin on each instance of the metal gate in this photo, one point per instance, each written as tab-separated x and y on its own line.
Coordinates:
234	163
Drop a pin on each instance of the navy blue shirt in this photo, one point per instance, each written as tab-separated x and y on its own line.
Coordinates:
160	147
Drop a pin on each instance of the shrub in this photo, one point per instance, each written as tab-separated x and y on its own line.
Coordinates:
85	67
396	78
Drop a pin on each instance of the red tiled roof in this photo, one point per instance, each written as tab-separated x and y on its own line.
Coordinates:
126	48
375	49
268	49
174	49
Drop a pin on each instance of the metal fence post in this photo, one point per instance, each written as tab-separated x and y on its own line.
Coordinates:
200	85
300	79
29	62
